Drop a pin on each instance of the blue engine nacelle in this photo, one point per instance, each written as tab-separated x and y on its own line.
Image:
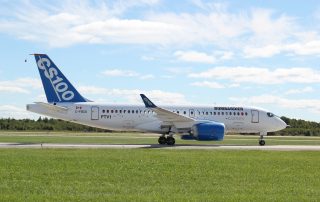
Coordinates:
208	131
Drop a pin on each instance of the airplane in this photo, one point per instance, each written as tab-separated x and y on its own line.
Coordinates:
202	123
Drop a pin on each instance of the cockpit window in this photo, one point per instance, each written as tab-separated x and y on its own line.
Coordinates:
270	114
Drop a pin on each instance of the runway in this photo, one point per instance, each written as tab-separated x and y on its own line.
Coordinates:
156	146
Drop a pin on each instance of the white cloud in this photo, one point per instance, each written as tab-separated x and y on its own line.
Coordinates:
194	56
264	51
224	55
208	84
298	48
81	22
313	105
13	89
202	57
120	73
255	32
20	85
103	23
133	96
261	75
126	73
12	111
305	48
147	76
300	91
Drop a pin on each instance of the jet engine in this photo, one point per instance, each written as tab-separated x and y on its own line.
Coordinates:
207	131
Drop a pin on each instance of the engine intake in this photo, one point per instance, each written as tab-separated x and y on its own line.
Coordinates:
208	131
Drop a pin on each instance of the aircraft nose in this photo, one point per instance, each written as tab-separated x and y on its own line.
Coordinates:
281	124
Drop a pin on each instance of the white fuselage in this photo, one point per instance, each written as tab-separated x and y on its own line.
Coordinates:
140	118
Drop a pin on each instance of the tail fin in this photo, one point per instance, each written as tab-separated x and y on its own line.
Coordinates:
55	84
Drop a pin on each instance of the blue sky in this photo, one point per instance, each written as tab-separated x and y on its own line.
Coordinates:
255	53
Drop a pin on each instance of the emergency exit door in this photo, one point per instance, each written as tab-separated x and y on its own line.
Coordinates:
191	113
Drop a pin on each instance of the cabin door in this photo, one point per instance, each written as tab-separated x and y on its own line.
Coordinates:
255	116
94	113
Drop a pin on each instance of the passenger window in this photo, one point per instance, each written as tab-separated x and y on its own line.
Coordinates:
191	112
246	113
184	112
111	111
107	111
120	111
116	111
103	111
132	111
222	113
214	113
128	111
206	113
230	113
238	113
234	113
218	113
177	112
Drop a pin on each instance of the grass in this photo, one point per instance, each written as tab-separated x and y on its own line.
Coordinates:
158	175
141	138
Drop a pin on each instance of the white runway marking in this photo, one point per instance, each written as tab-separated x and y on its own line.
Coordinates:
134	146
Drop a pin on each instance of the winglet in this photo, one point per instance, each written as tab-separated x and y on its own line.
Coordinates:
147	102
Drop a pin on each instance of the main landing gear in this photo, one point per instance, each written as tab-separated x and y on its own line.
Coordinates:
166	140
261	140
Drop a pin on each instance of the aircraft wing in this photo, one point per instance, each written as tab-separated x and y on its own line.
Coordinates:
166	115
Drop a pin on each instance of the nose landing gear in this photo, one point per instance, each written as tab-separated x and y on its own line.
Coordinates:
261	140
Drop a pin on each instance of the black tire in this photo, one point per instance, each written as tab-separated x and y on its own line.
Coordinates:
262	142
162	140
170	141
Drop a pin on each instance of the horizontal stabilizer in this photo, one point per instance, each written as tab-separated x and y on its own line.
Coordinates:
52	107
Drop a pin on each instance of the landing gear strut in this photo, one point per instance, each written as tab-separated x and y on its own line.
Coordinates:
261	140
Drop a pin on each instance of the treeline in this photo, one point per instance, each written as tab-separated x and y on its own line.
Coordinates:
44	124
297	127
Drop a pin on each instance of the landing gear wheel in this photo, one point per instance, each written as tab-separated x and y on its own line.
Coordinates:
170	141
262	142
162	140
